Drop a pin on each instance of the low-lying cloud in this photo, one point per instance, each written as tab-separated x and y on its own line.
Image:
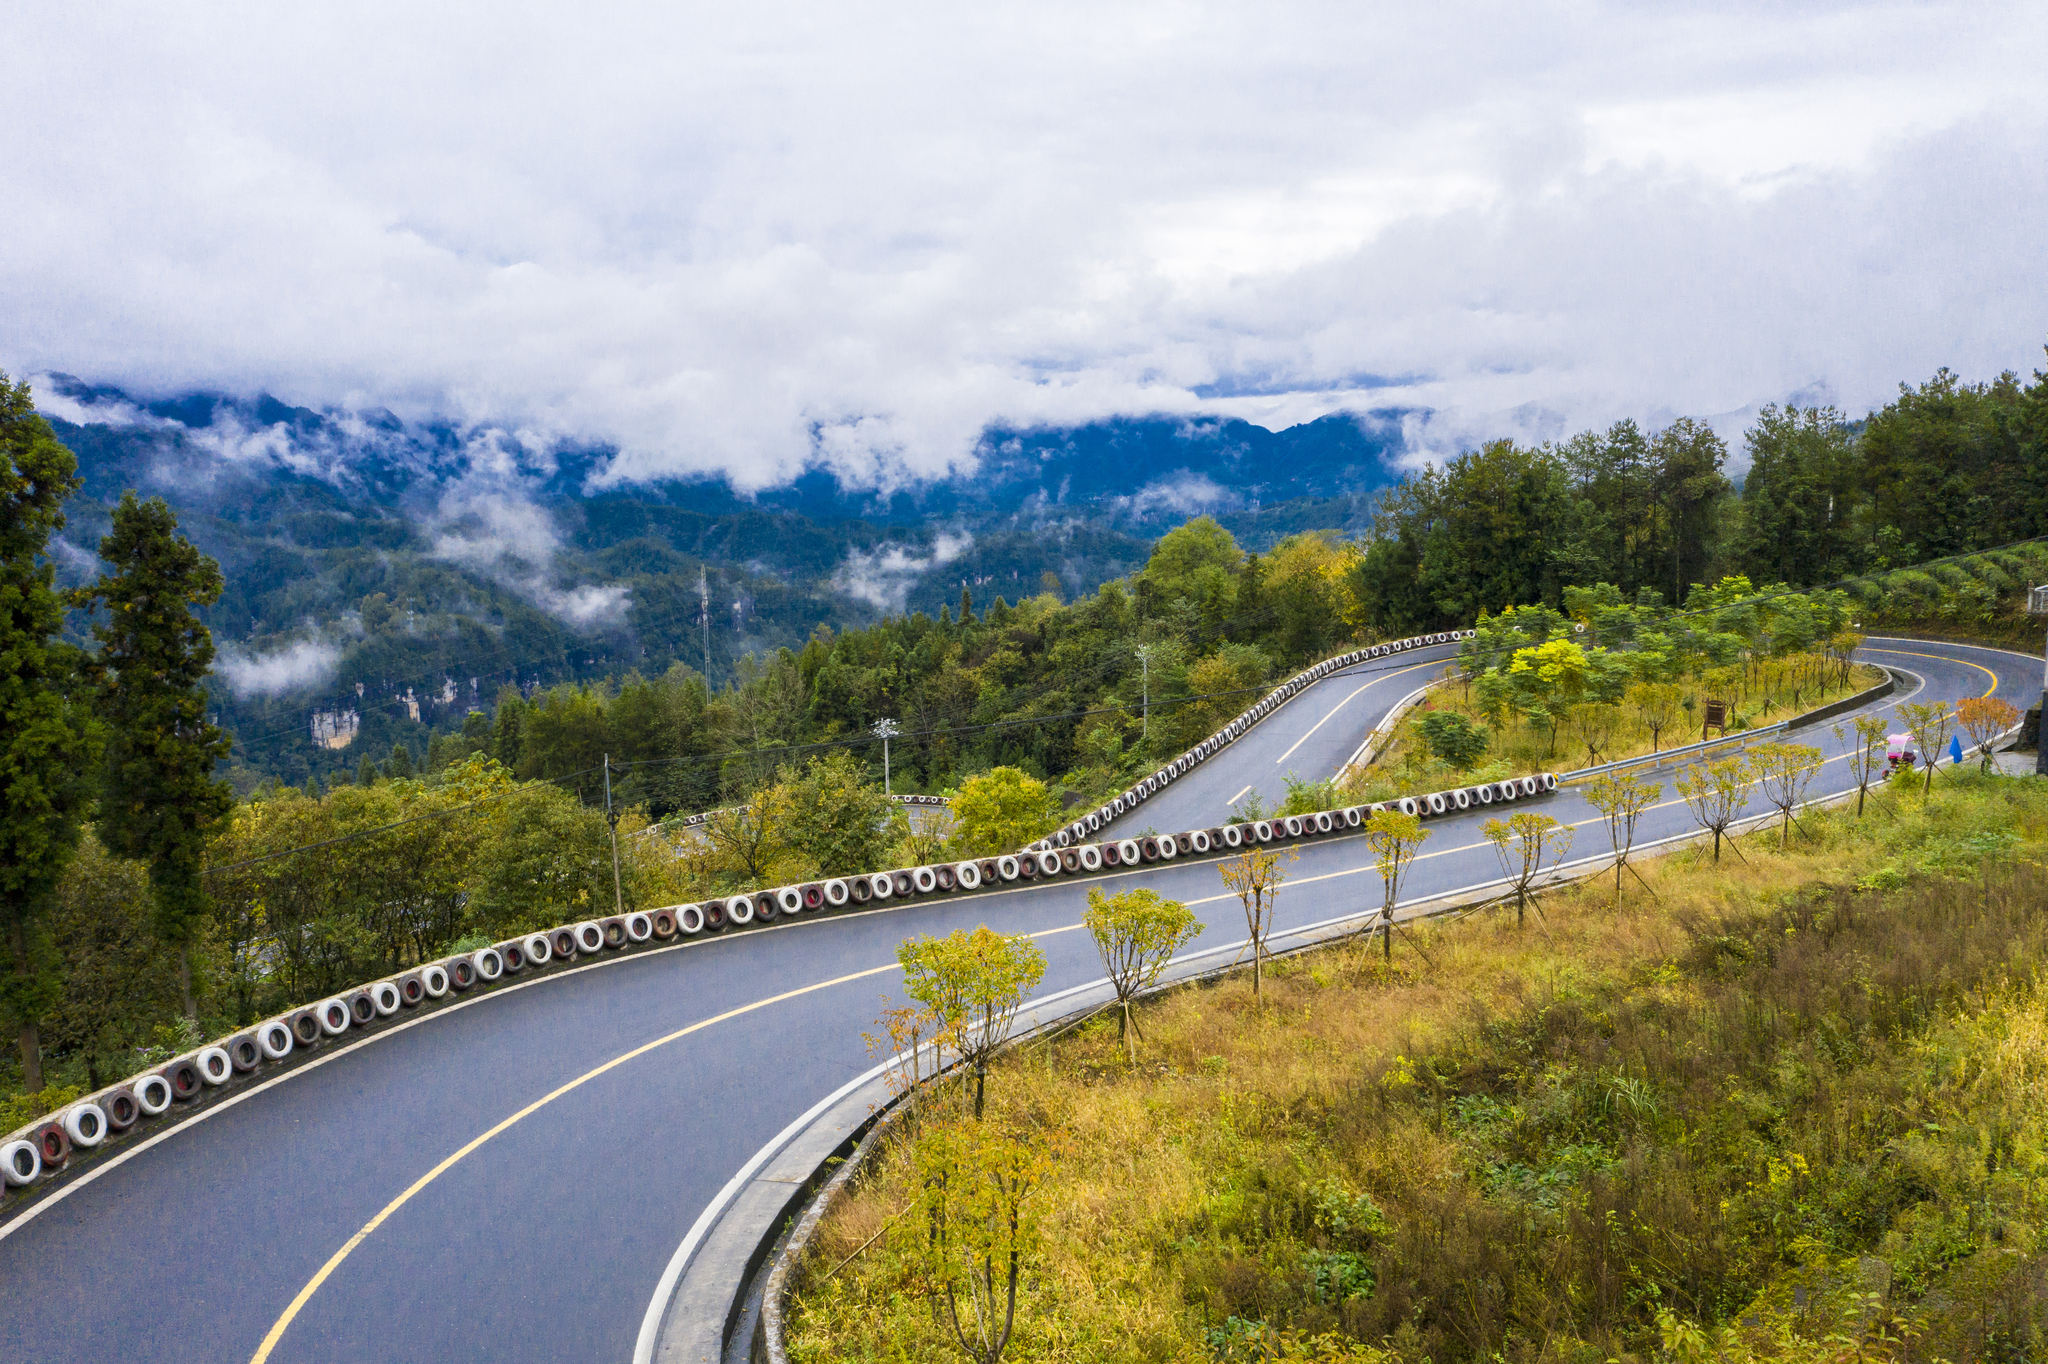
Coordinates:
883	576
751	239
295	667
493	529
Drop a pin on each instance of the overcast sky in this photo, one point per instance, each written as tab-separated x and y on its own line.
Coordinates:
750	235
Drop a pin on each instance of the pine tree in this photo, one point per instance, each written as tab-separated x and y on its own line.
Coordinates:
46	736
162	800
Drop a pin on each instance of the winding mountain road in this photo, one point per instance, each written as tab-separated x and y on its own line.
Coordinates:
506	1178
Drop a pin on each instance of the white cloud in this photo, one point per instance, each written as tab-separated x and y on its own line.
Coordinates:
295	667
487	524
744	238
882	577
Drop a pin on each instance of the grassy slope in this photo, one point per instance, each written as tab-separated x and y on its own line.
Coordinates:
1774	1088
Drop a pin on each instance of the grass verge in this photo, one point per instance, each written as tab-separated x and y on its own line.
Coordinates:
1790	1107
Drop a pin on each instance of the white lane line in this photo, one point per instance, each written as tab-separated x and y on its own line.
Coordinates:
1345	702
1240	795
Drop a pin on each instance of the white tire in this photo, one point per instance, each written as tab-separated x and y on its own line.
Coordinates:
1437	804
1048	864
1007	867
1530	786
589	938
1549	781
85	1123
334	1021
1091	857
276	1040
215	1067
837	892
1128	851
487	964
153	1092
639	928
1169	847
690	919
21	1164
881	885
384	995
968	874
1200	839
539	952
1233	835
740	910
790	899
1408	806
924	880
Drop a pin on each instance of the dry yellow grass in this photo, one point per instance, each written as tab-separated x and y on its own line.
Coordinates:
1229	1096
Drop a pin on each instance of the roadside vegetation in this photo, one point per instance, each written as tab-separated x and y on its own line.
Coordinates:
1792	1105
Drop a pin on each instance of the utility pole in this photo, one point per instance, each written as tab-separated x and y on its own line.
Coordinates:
2037	607
885	730
611	817
1145	687
704	613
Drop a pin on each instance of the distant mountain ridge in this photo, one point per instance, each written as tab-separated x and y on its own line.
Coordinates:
428	564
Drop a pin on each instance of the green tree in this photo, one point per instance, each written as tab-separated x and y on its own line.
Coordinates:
1001	810
549	861
1452	738
1255	876
161	801
119	987
46	735
975	1230
973	983
1621	798
1527	843
835	817
1137	932
1393	839
1799	498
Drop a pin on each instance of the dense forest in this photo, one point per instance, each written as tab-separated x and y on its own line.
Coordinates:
1062	688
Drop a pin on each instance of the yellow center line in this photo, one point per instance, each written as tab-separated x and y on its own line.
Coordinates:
1908	653
305	1295
334	1262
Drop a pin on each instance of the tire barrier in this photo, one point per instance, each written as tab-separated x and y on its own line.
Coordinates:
21	1164
243	1053
305	1026
121	1109
85	1124
152	1094
36	1152
214	1066
51	1143
1148	786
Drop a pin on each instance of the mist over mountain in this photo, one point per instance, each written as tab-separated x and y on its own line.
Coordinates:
384	576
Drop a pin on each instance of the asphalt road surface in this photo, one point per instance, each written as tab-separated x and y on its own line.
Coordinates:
507	1179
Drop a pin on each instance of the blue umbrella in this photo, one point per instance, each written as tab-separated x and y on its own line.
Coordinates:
1955	748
